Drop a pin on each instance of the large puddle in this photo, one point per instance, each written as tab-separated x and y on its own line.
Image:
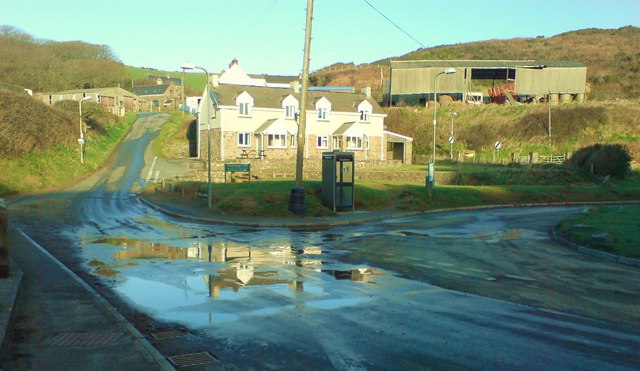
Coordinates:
207	281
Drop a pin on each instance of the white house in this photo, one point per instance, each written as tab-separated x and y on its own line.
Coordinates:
246	120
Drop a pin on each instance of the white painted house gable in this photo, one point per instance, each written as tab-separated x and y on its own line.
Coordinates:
365	108
235	75
323	106
245	103
290	105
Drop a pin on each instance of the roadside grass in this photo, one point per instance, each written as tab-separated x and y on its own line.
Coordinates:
270	198
173	131
60	165
612	229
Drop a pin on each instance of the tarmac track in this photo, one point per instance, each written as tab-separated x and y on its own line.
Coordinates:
373	296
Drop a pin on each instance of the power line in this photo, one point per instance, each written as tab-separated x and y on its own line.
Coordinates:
393	23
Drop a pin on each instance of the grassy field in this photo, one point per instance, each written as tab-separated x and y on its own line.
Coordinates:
194	82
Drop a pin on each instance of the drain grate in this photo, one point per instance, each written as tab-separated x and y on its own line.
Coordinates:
169	334
192	359
84	339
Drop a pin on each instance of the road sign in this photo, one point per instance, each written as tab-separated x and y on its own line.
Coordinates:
80	140
450	140
237	168
498	145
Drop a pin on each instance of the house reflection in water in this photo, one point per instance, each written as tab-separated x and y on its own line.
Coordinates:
244	265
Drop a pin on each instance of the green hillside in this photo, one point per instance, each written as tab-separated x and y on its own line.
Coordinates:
612	58
45	66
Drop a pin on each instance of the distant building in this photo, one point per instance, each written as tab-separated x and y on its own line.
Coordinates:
116	100
158	97
478	81
251	118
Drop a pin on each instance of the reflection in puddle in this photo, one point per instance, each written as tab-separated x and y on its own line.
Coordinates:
198	278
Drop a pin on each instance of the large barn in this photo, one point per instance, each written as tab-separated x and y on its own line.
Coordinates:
484	81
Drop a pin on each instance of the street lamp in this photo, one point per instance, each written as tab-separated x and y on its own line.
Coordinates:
448	71
191	66
81	139
451	136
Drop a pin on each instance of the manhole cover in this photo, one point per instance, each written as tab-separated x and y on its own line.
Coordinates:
169	334
192	359
84	339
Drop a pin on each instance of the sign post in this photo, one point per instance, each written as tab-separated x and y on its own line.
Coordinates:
498	145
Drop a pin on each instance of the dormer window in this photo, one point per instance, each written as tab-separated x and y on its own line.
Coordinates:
323	106
244	103
365	108
290	112
364	115
290	105
322	113
243	109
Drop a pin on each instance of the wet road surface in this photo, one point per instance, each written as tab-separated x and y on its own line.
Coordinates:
485	289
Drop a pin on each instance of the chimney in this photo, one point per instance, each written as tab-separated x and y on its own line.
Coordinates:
233	61
213	78
295	86
366	91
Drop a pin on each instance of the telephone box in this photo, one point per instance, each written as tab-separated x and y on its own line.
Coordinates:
338	180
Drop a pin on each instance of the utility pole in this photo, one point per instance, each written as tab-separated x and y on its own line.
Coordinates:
296	202
549	104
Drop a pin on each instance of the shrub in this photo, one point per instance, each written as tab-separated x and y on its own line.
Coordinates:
602	159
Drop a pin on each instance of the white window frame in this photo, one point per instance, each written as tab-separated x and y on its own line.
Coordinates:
290	112
322	142
244	139
293	140
244	109
352	139
281	138
244	103
365	115
337	140
323	106
322	113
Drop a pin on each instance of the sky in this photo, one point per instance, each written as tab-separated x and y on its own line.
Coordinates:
267	36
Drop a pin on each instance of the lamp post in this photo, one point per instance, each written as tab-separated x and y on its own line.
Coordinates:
81	139
451	136
191	66
448	71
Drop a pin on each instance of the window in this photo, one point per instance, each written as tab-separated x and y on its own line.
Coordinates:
290	105
365	108
323	106
290	112
243	109
293	140
322	113
244	139
354	143
244	102
277	141
337	142
323	142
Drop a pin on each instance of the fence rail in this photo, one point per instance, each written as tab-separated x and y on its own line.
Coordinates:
554	159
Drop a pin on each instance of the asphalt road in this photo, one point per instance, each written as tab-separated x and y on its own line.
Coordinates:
485	290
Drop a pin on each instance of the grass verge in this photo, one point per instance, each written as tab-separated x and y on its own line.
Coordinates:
60	165
612	229
270	198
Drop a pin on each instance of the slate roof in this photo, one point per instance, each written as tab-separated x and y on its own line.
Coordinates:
272	98
143	90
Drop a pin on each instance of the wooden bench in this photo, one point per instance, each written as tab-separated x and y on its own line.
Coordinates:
252	153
